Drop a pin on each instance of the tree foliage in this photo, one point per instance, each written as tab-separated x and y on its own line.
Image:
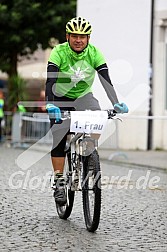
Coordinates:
24	24
17	91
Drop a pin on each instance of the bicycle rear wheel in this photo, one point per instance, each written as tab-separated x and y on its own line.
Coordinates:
91	191
65	210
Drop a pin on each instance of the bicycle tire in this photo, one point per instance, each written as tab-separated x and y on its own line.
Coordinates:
91	165
65	211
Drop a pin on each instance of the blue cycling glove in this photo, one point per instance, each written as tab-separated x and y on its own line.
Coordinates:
54	112
121	108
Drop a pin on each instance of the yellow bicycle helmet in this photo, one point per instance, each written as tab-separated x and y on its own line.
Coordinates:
78	25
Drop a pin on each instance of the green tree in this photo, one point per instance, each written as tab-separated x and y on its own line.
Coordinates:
26	24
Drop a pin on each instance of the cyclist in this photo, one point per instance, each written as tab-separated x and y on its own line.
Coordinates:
70	74
1	112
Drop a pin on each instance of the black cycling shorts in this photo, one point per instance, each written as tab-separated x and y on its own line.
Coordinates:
61	130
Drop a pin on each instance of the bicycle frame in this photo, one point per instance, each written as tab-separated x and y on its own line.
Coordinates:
78	149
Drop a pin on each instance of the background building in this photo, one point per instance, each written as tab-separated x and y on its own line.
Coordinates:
122	30
160	74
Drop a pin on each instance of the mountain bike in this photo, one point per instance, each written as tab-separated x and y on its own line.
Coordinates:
82	172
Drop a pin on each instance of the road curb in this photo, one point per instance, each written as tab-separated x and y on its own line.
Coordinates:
133	164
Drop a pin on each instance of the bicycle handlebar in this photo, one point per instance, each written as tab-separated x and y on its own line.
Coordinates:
66	114
111	113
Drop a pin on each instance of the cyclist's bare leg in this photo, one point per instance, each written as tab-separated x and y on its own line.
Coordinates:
59	190
58	164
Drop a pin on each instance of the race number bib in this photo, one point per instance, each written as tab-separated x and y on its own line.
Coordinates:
88	121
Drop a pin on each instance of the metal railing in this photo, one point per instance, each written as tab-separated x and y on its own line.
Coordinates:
7	125
22	128
28	129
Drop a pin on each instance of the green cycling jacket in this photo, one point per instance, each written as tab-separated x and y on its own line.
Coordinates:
76	71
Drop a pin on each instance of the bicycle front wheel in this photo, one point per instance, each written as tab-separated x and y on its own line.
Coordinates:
91	191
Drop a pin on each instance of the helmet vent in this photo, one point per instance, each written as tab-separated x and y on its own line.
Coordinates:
83	26
69	27
88	28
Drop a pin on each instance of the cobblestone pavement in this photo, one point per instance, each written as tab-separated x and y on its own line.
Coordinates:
133	218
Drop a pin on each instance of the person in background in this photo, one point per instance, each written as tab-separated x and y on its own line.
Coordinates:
1	112
19	108
41	102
